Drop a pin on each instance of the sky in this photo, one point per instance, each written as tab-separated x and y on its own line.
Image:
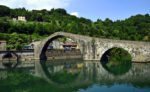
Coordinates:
91	9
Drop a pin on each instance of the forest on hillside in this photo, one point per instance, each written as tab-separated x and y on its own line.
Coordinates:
42	23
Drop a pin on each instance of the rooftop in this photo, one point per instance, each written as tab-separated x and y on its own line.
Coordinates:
3	41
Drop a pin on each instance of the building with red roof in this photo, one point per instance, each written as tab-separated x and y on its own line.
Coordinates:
3	45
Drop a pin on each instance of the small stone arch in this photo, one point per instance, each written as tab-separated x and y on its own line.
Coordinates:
11	54
9	62
107	51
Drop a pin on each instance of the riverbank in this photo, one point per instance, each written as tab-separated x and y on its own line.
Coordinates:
28	55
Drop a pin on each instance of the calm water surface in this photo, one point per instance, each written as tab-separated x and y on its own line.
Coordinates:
75	76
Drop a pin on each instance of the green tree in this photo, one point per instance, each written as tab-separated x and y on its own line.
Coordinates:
4	11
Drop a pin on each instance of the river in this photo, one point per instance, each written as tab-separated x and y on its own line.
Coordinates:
74	76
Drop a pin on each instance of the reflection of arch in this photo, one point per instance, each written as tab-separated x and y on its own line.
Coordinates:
42	46
41	71
9	55
93	72
104	56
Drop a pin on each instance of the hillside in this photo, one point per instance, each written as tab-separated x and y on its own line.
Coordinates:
41	23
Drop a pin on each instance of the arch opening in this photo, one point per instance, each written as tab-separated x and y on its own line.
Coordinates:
116	61
60	47
10	59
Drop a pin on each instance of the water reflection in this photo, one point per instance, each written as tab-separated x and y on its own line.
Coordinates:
79	76
116	61
118	68
63	72
94	73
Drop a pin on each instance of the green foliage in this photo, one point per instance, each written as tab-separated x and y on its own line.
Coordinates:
46	22
4	36
119	61
4	11
117	67
58	11
16	41
119	54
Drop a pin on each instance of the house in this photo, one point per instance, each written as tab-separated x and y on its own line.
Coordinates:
3	45
56	45
14	19
69	46
21	18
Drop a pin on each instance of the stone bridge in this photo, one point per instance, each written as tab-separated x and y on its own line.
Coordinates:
94	48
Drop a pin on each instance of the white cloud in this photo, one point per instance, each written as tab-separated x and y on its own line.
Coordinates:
36	4
75	14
